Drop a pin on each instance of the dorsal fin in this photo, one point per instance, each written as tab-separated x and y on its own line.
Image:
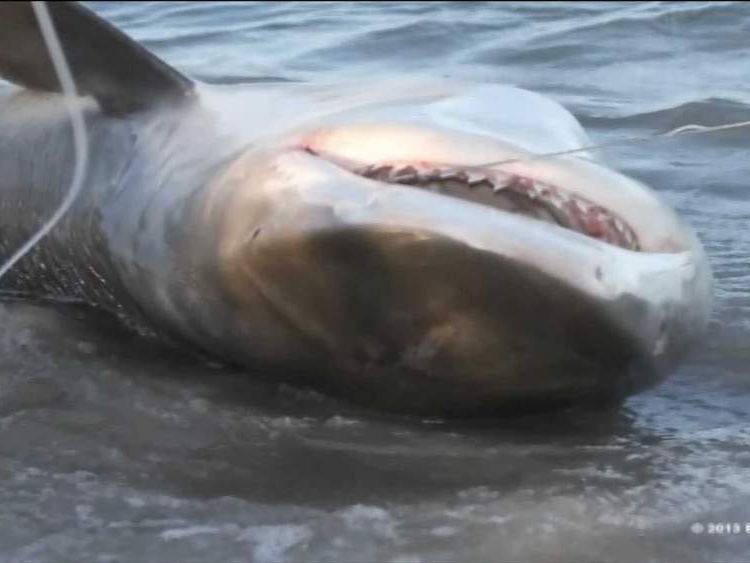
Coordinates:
106	64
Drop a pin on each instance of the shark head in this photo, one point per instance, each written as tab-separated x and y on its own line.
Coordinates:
379	250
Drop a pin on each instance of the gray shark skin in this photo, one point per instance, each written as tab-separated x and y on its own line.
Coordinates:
344	238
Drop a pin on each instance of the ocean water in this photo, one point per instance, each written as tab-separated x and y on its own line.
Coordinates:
116	448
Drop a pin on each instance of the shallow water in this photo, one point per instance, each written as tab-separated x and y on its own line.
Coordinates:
116	448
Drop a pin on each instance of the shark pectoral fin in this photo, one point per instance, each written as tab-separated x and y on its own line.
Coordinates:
107	64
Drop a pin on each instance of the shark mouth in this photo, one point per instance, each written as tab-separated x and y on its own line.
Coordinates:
506	192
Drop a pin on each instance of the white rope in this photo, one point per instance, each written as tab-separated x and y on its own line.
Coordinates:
691	129
80	138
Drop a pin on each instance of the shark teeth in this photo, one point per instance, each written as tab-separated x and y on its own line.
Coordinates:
509	192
